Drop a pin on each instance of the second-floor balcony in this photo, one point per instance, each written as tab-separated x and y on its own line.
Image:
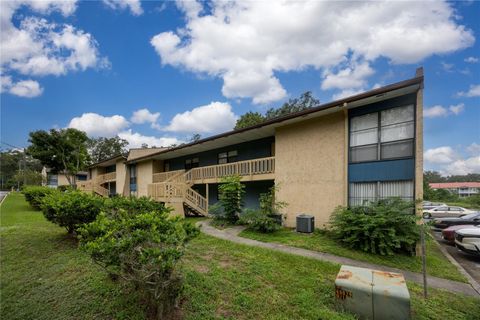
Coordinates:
248	170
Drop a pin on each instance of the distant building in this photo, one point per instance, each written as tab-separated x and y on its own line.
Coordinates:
54	180
462	189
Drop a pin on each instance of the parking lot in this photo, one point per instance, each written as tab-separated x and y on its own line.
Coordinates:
470	263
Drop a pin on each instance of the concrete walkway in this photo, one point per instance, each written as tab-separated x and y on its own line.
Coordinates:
231	234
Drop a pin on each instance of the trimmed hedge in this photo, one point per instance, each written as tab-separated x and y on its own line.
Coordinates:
71	209
35	194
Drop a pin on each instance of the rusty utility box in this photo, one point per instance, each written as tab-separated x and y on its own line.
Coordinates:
373	294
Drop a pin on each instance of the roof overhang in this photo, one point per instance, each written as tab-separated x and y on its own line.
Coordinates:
107	162
267	128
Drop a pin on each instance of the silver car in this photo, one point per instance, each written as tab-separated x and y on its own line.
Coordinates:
446	211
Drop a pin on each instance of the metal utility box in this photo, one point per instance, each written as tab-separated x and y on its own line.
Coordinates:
373	294
305	223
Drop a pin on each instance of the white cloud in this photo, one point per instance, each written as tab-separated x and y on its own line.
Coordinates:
435	111
24	88
440	155
134	6
463	166
212	118
353	76
37	47
450	162
474	91
145	116
135	139
457	109
474	149
440	111
471	59
96	125
246	42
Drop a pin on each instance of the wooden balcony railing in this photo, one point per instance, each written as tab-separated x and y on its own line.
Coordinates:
242	168
166	191
164	176
107	177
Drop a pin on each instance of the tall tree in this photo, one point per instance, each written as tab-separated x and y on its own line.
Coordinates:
103	148
305	101
195	137
13	162
249	119
433	176
62	150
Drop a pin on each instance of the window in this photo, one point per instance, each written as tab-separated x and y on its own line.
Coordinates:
362	193
52	179
166	166
111	168
227	157
191	163
383	135
133	179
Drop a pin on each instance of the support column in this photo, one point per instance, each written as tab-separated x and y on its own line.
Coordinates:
206	193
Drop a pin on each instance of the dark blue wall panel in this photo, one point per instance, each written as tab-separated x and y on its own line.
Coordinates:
382	170
246	151
252	192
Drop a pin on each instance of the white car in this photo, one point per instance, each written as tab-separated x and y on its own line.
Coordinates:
446	211
468	240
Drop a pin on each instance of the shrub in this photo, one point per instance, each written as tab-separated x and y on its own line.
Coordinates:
142	250
259	221
71	209
35	194
268	217
131	205
384	227
231	192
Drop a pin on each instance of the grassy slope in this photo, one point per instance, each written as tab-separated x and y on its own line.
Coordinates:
437	263
45	276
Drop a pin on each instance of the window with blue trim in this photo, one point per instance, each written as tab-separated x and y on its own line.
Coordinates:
133	179
384	135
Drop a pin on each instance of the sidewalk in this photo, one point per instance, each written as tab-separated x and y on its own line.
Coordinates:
231	234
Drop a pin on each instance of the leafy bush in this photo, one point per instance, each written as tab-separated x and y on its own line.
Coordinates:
35	194
265	219
131	205
259	221
231	192
71	209
384	227
143	250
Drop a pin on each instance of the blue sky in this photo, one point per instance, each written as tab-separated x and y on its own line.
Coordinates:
157	72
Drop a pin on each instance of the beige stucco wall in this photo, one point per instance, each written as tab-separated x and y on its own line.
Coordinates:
121	177
62	180
144	176
310	167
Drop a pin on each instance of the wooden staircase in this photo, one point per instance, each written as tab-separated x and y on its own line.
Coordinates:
95	185
175	188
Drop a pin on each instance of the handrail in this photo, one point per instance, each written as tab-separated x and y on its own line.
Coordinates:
164	176
165	191
102	178
242	168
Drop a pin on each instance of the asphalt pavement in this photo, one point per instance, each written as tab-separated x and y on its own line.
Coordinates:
470	263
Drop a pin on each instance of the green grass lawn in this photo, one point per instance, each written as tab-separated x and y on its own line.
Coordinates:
45	276
437	264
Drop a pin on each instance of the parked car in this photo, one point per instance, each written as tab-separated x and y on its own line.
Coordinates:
472	218
446	211
427	205
468	240
448	234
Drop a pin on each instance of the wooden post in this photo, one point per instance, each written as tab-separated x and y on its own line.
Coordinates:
206	193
